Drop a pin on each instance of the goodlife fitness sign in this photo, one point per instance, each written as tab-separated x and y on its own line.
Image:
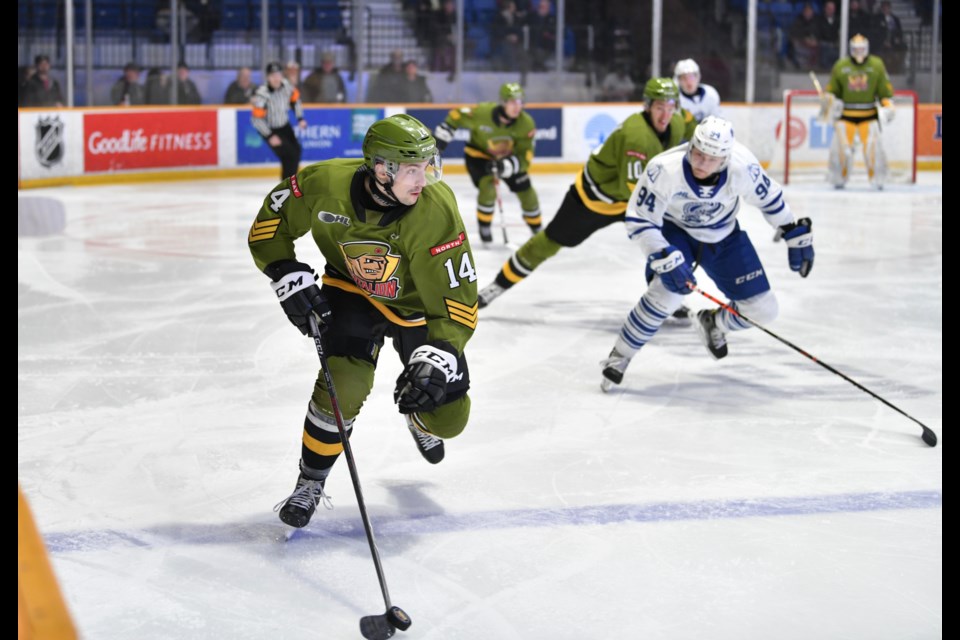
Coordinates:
149	139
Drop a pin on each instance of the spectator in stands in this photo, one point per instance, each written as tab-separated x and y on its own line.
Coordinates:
41	90
388	79
127	90
240	90
157	86
893	47
445	38
324	83
507	28
413	87
828	35
292	73
804	39
23	77
187	92
863	22
617	86
543	35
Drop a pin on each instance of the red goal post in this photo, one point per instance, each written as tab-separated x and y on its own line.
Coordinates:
802	155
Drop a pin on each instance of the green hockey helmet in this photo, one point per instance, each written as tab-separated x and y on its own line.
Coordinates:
660	89
511	91
401	139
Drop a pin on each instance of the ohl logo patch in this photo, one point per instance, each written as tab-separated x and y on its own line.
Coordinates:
372	267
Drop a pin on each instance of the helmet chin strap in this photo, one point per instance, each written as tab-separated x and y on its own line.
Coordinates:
388	198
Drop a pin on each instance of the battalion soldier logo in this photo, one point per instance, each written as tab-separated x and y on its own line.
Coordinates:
500	147
371	265
857	82
49	143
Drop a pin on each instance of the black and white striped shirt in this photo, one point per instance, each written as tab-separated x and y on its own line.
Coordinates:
271	107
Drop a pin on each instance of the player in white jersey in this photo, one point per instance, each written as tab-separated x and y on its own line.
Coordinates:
701	100
683	214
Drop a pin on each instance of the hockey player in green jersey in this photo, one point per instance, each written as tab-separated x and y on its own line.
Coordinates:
398	265
598	197
857	83
500	148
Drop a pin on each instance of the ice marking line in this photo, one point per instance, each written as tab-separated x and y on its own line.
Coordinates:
425	523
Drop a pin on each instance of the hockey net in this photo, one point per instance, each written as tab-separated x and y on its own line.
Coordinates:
802	155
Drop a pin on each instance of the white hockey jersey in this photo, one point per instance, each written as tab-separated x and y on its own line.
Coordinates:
667	190
705	102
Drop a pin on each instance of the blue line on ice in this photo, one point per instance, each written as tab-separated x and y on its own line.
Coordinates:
269	530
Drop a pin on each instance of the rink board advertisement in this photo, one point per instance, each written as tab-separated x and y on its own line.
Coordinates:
49	143
149	140
549	134
330	133
930	130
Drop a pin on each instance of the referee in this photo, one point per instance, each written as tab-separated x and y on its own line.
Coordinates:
270	116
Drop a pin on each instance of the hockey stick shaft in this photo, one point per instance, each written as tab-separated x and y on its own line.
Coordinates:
496	191
928	436
816	84
348	453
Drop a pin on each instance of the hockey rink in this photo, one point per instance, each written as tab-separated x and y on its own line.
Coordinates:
161	396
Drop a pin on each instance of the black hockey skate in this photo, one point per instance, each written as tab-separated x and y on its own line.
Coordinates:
613	368
712	335
488	294
297	509
429	446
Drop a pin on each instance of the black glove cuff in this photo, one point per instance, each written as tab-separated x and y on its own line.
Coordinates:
280	268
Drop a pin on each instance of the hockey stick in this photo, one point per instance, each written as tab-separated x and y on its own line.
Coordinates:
376	627
496	191
928	436
816	84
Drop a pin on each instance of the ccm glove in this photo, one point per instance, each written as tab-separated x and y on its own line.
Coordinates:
506	167
422	387
295	284
443	135
799	238
673	270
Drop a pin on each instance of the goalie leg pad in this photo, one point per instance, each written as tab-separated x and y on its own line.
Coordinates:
873	153
840	153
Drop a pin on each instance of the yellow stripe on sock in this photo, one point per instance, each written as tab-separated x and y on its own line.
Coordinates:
321	448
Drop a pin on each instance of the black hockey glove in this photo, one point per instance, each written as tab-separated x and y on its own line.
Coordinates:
799	238
296	289
422	387
443	134
505	167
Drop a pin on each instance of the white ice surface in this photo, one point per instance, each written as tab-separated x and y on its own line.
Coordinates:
161	395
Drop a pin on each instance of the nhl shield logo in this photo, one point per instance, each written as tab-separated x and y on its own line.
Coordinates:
49	144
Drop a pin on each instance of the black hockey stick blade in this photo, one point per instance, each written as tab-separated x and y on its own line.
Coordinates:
384	626
376	627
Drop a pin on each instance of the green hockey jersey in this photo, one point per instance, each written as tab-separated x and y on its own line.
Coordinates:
607	180
859	86
490	139
412	263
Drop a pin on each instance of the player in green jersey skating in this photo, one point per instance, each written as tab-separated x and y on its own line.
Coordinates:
598	197
398	265
501	147
857	83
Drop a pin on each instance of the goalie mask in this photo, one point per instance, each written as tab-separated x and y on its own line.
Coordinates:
859	48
